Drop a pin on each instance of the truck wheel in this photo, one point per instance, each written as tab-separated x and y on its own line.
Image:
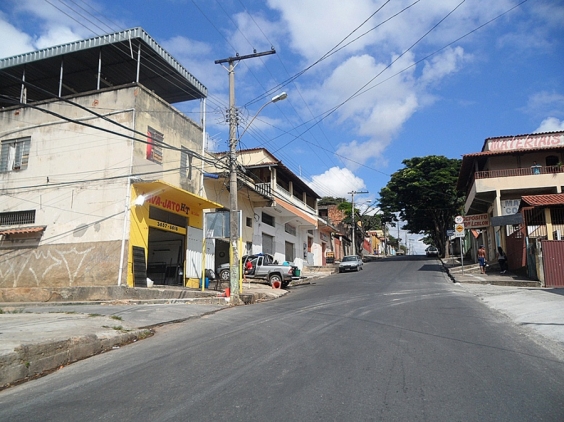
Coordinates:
275	281
224	275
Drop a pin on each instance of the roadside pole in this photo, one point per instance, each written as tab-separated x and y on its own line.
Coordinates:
460	233
461	257
234	227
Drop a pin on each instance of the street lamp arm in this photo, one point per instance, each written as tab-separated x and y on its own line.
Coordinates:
275	99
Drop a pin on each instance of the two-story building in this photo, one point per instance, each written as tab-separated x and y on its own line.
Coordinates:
100	176
279	210
497	179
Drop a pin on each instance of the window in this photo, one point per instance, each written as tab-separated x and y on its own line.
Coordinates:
17	217
249	222
186	163
154	146
288	228
268	219
15	154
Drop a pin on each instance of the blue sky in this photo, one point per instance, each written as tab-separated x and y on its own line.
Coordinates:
385	80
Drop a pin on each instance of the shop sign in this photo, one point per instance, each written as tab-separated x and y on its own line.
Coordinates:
167	204
510	206
476	221
526	142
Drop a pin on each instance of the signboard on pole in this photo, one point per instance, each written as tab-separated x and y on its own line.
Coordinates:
458	219
459	230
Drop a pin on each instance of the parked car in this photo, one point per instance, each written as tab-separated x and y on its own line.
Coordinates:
432	251
264	267
350	263
400	252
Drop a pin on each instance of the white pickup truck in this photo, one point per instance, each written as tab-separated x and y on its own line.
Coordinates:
264	268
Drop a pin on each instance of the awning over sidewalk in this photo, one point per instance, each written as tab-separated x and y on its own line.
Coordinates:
157	187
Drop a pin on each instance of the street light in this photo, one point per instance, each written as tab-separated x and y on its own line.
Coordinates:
234	211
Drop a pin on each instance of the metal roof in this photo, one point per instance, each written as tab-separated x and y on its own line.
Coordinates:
74	67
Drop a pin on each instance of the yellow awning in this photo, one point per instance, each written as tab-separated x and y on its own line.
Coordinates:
160	186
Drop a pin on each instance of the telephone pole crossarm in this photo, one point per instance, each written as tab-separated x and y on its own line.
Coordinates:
248	56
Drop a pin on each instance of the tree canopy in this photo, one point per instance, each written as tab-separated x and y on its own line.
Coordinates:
330	200
424	195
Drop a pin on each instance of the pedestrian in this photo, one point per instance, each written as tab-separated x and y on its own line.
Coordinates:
536	168
482	259
502	260
248	267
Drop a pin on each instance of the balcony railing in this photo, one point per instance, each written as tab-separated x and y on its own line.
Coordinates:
519	172
264	189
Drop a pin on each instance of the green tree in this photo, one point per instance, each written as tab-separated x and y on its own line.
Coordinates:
424	195
330	200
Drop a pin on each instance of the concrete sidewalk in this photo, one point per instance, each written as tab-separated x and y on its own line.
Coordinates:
37	338
518	297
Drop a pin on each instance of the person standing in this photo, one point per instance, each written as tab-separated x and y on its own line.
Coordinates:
482	259
502	260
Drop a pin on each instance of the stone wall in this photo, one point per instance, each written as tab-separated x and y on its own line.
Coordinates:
61	265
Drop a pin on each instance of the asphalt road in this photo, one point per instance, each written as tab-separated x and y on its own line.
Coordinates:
395	342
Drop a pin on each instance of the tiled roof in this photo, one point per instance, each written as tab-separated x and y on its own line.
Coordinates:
543	200
22	230
510	152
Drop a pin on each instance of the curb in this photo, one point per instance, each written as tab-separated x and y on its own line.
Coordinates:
31	361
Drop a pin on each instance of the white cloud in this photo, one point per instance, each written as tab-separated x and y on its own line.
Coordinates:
19	42
443	64
57	36
316	26
546	103
336	182
551	124
197	57
377	115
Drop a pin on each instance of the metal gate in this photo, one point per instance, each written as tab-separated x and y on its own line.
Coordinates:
553	262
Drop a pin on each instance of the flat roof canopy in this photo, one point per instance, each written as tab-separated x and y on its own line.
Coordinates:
110	60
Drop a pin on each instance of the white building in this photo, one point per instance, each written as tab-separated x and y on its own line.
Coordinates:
279	210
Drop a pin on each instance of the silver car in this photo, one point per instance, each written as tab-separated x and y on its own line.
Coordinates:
350	263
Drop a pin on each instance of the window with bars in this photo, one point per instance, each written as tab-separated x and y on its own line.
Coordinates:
17	217
14	154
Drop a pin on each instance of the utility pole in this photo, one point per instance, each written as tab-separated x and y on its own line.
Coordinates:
234	212
353	193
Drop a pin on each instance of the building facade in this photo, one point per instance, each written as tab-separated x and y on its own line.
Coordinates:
278	210
101	177
497	179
